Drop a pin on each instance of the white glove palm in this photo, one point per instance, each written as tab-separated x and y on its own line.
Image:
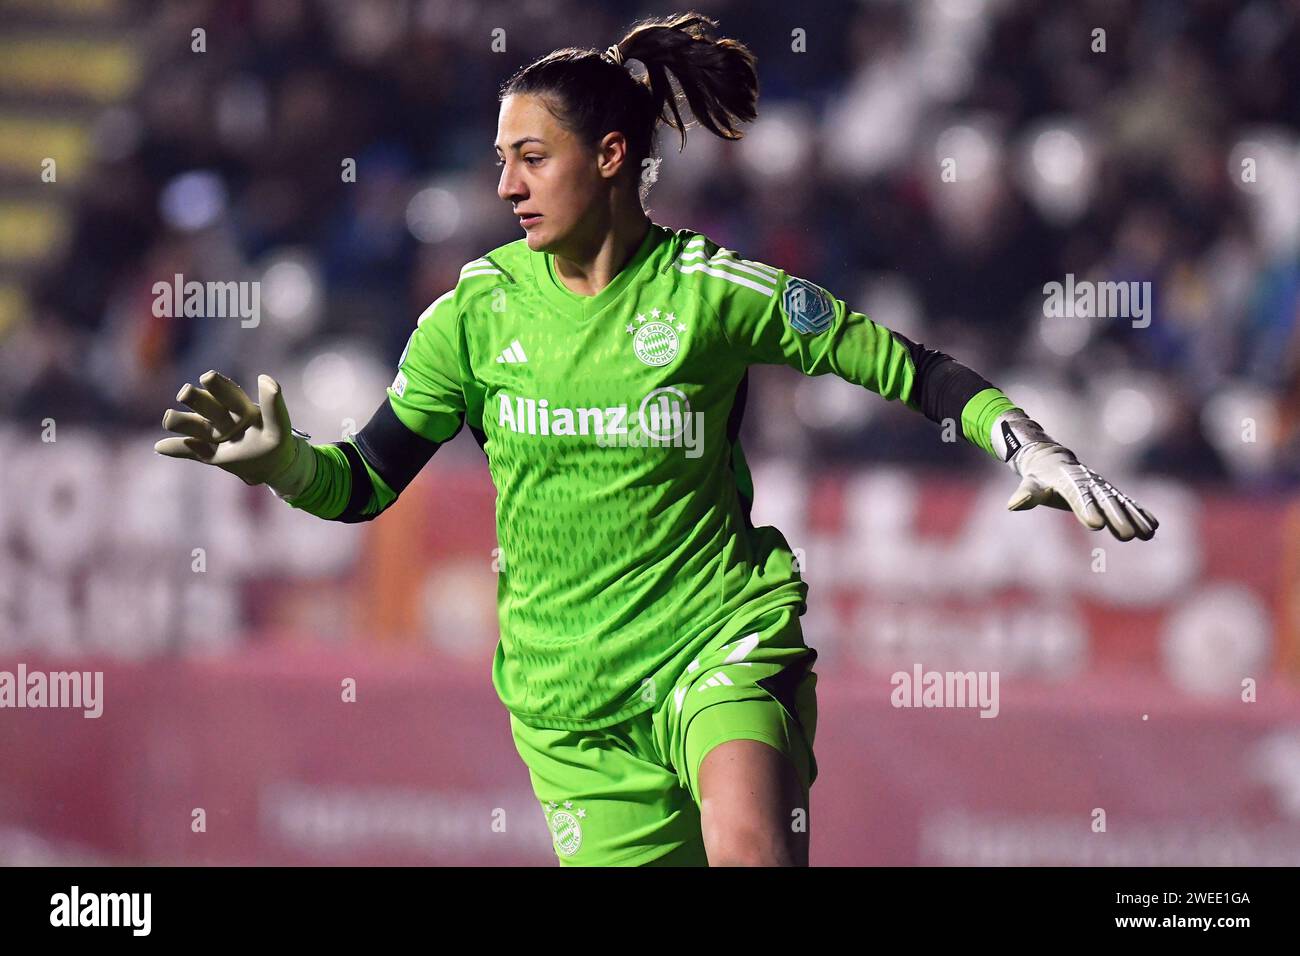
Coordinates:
1051	475
227	430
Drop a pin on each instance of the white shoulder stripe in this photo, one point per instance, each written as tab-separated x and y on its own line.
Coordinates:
705	267
695	249
730	256
725	256
756	269
481	266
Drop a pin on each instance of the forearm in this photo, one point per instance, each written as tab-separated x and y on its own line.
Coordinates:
944	390
331	486
358	478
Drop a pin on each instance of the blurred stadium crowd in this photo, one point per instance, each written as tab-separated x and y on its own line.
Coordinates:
1163	149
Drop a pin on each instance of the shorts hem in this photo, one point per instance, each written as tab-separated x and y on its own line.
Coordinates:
779	745
639	857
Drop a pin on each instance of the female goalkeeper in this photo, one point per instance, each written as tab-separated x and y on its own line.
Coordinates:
650	654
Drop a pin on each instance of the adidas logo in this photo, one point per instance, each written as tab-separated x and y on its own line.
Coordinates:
514	353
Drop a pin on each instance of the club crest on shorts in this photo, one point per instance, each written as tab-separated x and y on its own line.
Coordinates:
656	336
807	305
565	825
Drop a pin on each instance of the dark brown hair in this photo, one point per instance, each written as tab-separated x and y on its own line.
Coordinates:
590	95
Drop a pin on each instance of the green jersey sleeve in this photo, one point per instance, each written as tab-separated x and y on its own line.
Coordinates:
770	317
335	493
358	478
427	395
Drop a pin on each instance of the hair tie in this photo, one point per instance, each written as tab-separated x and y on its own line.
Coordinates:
614	55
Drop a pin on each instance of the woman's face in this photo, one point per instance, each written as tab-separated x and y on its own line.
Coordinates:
548	172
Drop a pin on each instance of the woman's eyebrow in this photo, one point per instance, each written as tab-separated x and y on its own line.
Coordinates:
519	142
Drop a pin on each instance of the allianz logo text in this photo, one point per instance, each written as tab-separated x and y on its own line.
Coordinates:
663	419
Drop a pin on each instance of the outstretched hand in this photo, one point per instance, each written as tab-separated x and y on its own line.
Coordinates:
1051	475
228	430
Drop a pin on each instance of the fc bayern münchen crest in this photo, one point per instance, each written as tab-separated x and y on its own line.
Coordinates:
656	341
566	830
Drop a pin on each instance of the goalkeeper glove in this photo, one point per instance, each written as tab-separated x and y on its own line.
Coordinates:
1051	475
255	443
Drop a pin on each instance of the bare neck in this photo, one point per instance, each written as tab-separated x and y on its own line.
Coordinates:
589	270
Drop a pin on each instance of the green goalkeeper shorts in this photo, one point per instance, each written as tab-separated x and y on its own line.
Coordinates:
628	795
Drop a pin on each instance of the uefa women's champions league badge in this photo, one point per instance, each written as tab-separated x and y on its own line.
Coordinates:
807	306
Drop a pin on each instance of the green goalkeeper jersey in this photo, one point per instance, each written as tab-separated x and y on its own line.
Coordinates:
610	425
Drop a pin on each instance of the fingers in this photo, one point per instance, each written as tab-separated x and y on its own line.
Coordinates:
1144	522
1022	499
221	412
1117	518
234	399
190	424
1144	528
190	448
1081	497
1125	518
275	417
205	403
1134	506
1029	494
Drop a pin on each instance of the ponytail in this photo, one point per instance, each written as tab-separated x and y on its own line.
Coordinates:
593	93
